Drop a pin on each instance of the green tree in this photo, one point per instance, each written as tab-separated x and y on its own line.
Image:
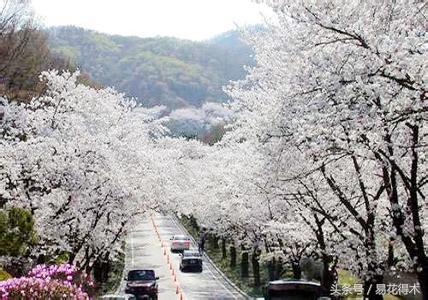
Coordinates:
17	232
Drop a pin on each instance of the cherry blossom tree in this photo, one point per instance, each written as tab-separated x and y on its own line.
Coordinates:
344	85
81	161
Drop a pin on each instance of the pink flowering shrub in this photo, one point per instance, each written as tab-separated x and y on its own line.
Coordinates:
48	282
64	273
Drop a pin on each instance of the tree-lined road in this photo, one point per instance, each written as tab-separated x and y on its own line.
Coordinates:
144	250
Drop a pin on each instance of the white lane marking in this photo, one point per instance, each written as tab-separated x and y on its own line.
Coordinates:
211	292
217	278
221	282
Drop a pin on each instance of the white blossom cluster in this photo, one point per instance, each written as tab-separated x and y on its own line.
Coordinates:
327	155
84	161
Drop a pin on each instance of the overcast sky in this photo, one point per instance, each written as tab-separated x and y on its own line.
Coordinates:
188	19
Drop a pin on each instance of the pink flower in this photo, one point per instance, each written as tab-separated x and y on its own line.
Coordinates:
45	281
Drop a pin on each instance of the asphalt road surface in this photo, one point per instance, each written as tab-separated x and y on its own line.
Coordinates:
148	247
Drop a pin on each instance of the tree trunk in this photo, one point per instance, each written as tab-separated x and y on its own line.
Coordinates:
372	267
223	249
278	269
232	256
329	275
106	270
423	281
271	269
71	258
256	267
391	260
414	244
213	241
41	259
370	288
297	270
97	271
194	224
245	273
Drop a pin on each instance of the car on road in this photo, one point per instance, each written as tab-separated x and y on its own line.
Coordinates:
142	284
191	260
180	243
118	297
293	290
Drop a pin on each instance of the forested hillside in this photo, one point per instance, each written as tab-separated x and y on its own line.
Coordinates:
160	70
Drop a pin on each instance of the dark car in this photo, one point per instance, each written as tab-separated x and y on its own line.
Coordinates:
142	284
293	290
191	260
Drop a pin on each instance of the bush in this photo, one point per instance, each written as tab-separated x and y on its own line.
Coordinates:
4	275
48	282
17	232
36	288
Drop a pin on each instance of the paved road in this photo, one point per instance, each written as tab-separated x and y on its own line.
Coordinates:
146	246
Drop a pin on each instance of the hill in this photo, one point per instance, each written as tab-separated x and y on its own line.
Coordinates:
157	71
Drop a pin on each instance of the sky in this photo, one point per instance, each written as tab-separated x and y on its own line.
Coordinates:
187	19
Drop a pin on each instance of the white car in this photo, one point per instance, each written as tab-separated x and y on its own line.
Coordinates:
180	243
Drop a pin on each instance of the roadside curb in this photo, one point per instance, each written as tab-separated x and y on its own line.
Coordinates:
175	220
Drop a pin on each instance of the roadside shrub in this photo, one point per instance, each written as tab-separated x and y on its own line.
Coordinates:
4	275
48	282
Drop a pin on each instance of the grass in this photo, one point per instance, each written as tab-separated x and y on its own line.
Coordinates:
245	284
346	277
390	297
4	275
